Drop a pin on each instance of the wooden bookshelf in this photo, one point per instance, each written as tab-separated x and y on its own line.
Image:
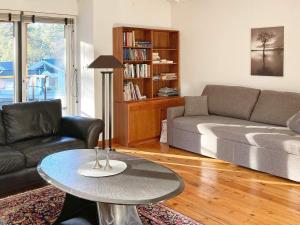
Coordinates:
140	120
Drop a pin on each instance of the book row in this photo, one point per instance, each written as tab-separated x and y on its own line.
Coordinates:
136	70
165	76
130	41
135	54
132	92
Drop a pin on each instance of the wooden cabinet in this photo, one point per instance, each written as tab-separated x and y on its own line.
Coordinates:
137	122
140	120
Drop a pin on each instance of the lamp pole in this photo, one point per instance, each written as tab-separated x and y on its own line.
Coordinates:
103	108
106	62
104	75
109	109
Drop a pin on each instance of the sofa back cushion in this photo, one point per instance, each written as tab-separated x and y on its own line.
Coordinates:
2	130
32	119
275	107
231	101
195	106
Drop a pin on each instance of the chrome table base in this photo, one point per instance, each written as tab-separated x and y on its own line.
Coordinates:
112	214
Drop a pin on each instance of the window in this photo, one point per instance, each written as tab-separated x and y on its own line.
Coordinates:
37	60
46	62
7	63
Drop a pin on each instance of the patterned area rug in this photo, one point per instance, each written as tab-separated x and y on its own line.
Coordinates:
42	206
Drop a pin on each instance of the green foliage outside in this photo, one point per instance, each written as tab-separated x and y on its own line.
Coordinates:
43	41
6	42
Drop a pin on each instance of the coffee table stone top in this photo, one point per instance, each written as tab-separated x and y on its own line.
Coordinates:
143	181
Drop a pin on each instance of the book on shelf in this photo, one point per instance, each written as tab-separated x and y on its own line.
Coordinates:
143	44
158	60
163	61
130	41
135	54
132	92
167	92
165	76
168	76
129	38
136	70
156	77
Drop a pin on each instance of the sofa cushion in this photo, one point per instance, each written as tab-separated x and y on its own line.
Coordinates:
275	107
2	130
271	137
33	119
232	101
242	131
195	106
36	149
278	141
10	160
190	123
294	123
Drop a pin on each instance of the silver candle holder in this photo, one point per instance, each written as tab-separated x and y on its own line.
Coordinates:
107	164
97	163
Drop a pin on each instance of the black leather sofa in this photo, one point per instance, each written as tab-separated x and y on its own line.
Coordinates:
31	131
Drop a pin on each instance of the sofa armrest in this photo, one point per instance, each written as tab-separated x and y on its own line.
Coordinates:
86	129
172	113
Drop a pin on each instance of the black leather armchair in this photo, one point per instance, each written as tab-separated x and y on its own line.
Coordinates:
31	131
86	129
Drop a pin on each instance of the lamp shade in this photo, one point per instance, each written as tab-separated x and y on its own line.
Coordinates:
106	61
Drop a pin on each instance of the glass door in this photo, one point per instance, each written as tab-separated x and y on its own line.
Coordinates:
45	77
7	63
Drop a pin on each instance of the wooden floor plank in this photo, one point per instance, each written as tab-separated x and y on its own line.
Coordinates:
217	192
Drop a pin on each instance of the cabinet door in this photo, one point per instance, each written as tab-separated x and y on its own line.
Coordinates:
144	123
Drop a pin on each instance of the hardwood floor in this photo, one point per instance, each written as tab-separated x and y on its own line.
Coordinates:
217	192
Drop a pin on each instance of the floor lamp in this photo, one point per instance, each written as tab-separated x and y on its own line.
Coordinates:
106	62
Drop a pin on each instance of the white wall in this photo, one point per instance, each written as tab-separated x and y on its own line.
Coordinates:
215	42
85	49
109	13
112	13
66	7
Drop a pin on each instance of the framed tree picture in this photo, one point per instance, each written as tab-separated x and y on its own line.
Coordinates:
267	51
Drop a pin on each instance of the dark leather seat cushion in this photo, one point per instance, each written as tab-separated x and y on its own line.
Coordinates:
36	149
32	119
10	160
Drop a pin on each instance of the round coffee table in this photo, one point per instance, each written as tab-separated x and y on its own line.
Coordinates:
143	182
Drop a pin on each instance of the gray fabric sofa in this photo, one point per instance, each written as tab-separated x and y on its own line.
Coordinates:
245	126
